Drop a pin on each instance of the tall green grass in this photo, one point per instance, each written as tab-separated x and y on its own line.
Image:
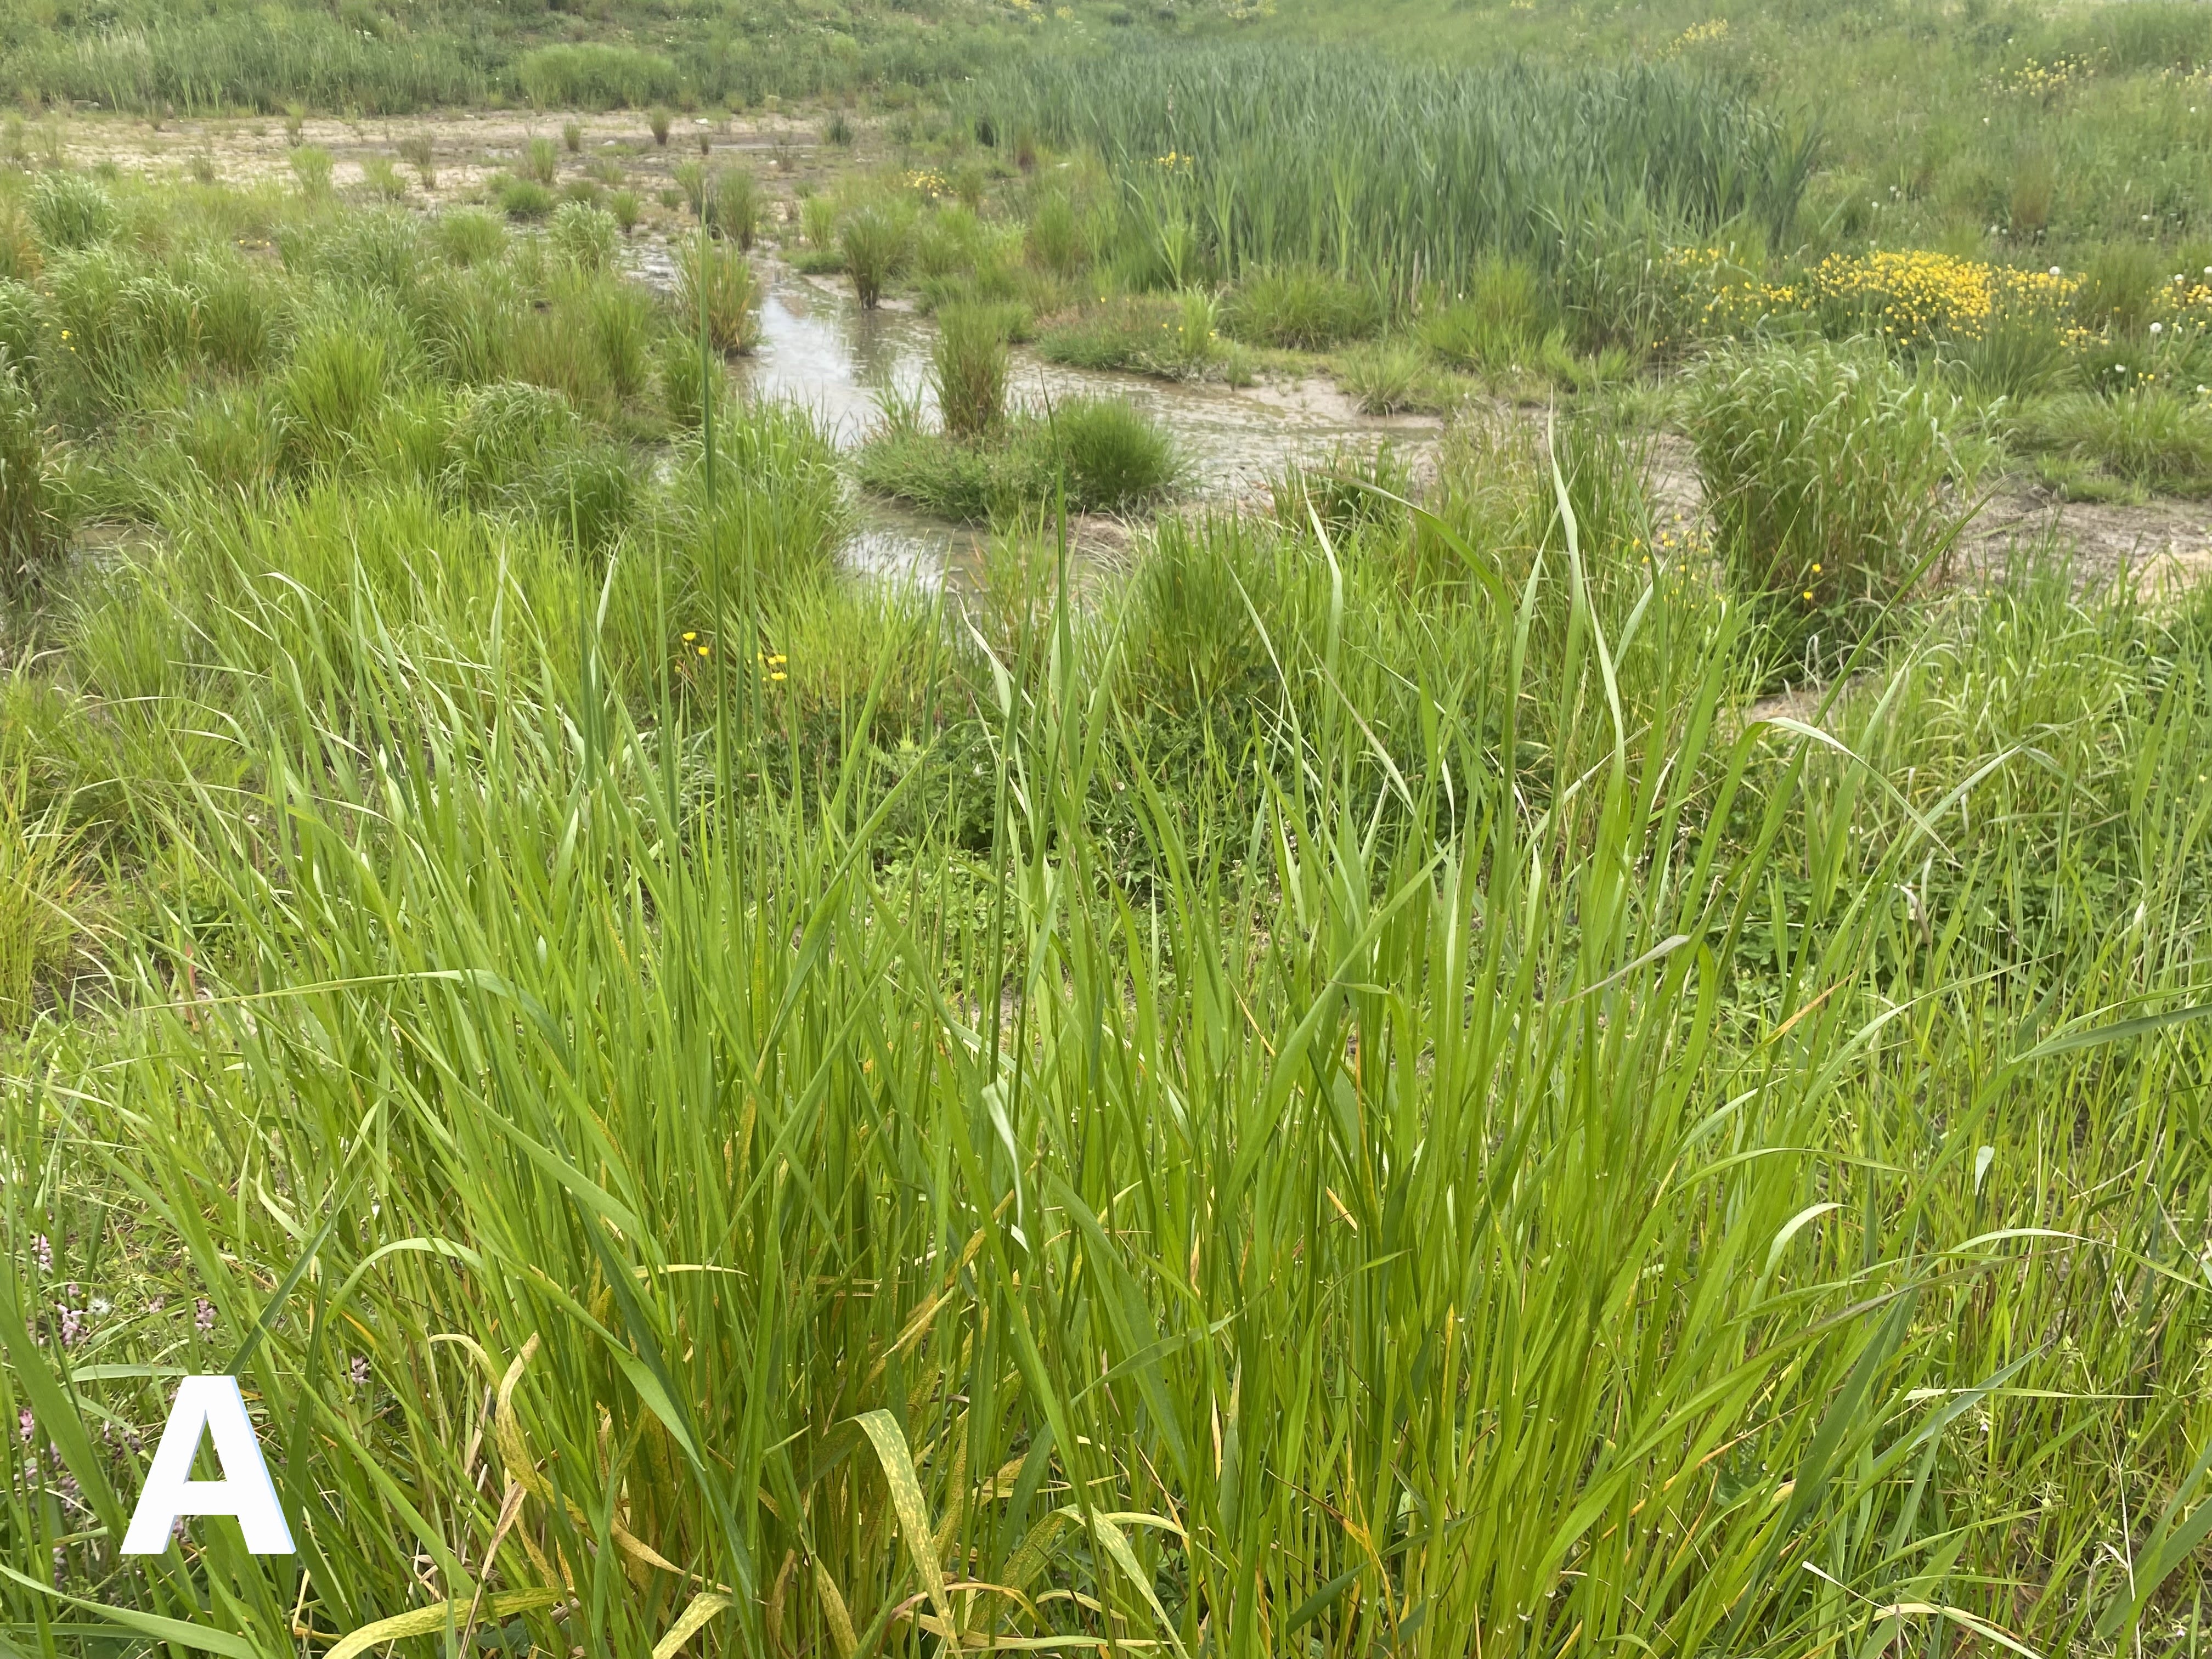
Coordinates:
27	531
1235	157
645	1200
1834	481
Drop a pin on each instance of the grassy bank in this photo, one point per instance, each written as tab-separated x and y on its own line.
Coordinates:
370	59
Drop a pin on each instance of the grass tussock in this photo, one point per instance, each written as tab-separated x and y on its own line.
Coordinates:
1833	483
717	288
1095	455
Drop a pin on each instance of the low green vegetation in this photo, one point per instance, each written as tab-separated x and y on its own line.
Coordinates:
1090	455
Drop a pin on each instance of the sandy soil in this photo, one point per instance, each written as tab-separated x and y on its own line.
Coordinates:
469	146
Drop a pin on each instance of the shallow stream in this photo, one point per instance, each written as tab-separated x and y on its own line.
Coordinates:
818	349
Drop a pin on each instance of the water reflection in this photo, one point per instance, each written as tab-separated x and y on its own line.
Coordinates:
819	349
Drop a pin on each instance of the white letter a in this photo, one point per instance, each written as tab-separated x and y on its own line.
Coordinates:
213	1403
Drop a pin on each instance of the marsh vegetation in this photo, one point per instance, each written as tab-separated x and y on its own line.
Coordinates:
1564	1027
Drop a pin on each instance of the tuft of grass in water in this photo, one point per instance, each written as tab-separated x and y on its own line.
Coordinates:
692	179
874	239
1098	455
379	176
1176	337
1112	457
1831	481
735	207
587	237
1302	308
1392	378
969	364
714	280
524	199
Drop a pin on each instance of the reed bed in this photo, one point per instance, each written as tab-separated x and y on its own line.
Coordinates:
1236	158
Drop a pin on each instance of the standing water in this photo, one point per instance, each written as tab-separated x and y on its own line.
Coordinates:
818	349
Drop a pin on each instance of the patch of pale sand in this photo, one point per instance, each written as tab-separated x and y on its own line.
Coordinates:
1319	400
2166	543
467	147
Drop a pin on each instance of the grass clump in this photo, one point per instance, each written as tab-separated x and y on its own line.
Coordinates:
1302	308
874	239
540	161
1392	377
587	237
332	391
2148	438
1832	482
379	177
311	165
523	198
717	288
29	540
1174	337
734	208
1496	321
68	211
1096	454
968	369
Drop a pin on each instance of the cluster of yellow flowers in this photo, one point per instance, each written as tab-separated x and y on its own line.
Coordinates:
1174	162
2039	80
1914	298
1921	296
925	182
773	663
2184	305
1697	34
